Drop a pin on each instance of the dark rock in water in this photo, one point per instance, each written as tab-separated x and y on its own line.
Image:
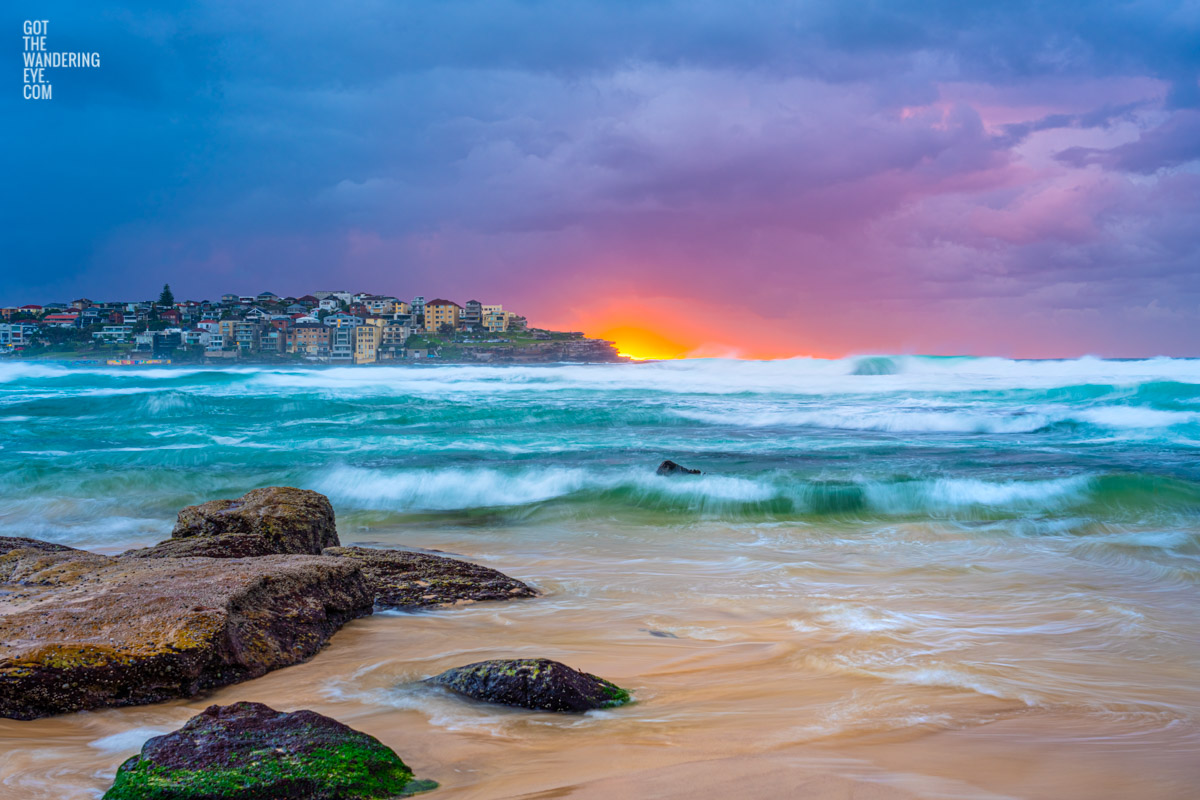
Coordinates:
228	545
536	683
80	630
248	751
402	579
293	520
671	468
661	634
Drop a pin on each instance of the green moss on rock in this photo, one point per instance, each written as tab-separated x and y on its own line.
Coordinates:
615	694
536	683
248	751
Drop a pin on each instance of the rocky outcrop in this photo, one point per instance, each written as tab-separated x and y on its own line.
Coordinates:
248	751
290	520
80	630
571	347
402	579
8	543
671	468
536	683
228	545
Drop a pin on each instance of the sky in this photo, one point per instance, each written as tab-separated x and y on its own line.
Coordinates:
753	179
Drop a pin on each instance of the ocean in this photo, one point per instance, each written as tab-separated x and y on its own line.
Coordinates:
898	576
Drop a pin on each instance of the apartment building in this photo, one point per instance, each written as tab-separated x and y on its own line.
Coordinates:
341	343
367	339
441	312
497	321
114	334
472	315
16	334
247	336
310	340
393	337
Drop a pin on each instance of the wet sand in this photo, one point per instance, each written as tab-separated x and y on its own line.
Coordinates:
767	660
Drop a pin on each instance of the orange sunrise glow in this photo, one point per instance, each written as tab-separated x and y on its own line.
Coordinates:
671	328
639	343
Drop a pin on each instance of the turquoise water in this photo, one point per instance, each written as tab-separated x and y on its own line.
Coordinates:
104	457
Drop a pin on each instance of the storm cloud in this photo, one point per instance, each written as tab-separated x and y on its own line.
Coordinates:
775	177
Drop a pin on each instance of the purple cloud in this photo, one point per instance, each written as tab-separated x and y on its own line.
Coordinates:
1175	142
938	176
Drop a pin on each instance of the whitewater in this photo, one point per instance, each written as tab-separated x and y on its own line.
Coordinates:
898	576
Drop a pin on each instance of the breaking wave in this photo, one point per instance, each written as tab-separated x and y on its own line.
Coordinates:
777	495
93	454
869	374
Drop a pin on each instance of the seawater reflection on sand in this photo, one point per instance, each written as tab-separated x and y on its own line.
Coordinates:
915	660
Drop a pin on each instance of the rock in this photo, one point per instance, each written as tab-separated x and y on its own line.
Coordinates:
536	683
227	545
248	751
660	634
80	630
402	579
292	520
671	468
8	543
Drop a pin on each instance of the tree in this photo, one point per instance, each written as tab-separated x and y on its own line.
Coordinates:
167	298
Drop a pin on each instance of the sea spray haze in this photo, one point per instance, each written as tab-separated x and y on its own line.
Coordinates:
943	577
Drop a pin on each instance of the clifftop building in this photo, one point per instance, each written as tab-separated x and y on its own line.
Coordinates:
472	315
441	312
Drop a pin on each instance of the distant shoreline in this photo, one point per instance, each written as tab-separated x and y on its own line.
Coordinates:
413	363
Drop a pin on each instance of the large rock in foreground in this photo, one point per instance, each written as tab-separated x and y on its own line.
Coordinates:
290	520
80	630
8	543
414	580
248	751
536	683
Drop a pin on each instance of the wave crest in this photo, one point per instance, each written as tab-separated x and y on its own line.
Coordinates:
778	495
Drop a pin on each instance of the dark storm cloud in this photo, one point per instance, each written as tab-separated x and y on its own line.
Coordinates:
1175	142
816	153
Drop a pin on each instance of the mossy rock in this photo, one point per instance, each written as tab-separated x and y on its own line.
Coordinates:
249	751
80	630
294	521
536	683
